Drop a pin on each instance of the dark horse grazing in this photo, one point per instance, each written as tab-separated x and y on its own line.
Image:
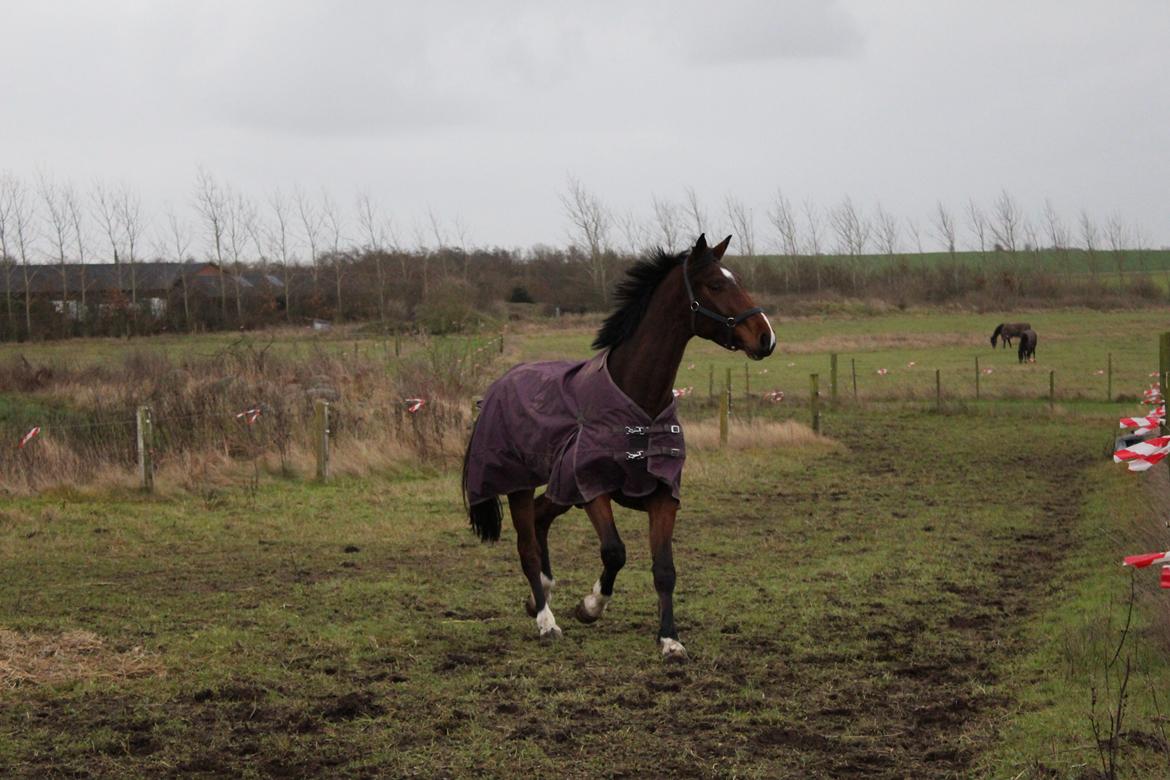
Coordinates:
1008	331
606	429
1027	351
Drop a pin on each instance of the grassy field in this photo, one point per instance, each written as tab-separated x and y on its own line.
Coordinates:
1077	261
929	594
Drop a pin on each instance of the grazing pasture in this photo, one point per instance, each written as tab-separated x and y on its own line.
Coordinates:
920	592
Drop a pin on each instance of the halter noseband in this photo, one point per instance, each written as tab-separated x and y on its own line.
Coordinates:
697	308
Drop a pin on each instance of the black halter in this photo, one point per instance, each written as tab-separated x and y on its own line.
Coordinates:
697	308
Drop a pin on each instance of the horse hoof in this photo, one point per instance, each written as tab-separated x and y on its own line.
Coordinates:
583	615
672	651
551	635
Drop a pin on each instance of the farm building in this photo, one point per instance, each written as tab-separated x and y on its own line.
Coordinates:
162	292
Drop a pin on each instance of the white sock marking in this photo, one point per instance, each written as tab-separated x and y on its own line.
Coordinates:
594	603
546	622
672	647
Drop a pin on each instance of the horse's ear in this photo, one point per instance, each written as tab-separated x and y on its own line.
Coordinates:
700	245
720	248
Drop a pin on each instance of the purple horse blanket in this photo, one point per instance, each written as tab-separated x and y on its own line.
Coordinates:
568	426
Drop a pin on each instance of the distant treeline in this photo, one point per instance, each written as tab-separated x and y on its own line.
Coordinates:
452	290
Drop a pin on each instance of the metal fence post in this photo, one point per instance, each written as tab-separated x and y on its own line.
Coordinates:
833	378
814	400
146	448
321	434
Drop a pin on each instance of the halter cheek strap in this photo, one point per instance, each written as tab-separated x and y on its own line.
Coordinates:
698	308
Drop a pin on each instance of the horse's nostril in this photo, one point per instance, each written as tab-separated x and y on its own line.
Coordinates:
766	343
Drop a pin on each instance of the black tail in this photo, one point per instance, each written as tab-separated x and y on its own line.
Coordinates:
486	516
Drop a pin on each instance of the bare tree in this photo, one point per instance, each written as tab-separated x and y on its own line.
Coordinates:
77	222
915	234
1118	236
1058	236
977	225
334	229
56	218
944	228
312	224
852	230
783	219
22	224
375	246
130	218
1089	240
179	239
813	228
742	225
667	219
6	186
744	228
635	232
279	244
241	226
886	228
442	239
590	223
696	212
1005	224
212	204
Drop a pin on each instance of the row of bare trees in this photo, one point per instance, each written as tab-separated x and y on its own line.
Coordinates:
844	230
351	263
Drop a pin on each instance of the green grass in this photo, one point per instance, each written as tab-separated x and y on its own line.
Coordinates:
934	599
1078	261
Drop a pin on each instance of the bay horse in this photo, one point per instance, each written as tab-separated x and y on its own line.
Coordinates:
1008	331
1027	350
606	430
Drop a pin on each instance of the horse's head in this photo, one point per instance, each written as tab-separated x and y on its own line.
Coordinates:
721	309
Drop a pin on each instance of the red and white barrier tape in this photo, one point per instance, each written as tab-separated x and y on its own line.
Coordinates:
1152	559
775	397
682	392
1144	454
414	404
32	434
1148	422
249	415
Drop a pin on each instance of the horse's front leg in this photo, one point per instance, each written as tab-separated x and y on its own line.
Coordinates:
663	508
613	558
545	511
524	519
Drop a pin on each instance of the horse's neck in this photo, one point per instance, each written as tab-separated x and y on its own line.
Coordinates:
644	365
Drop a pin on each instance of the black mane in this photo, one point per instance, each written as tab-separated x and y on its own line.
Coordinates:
632	296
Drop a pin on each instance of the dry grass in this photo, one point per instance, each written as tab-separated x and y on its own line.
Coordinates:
88	415
51	659
763	435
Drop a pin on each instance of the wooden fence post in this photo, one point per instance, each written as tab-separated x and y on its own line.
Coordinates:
938	389
1051	389
833	378
724	412
397	344
747	384
321	434
853	370
710	380
814	400
1109	381
727	387
976	377
501	343
146	449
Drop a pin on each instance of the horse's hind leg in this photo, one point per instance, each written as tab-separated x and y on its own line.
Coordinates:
613	557
545	511
523	512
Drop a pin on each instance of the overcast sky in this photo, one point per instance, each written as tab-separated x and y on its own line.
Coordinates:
481	110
